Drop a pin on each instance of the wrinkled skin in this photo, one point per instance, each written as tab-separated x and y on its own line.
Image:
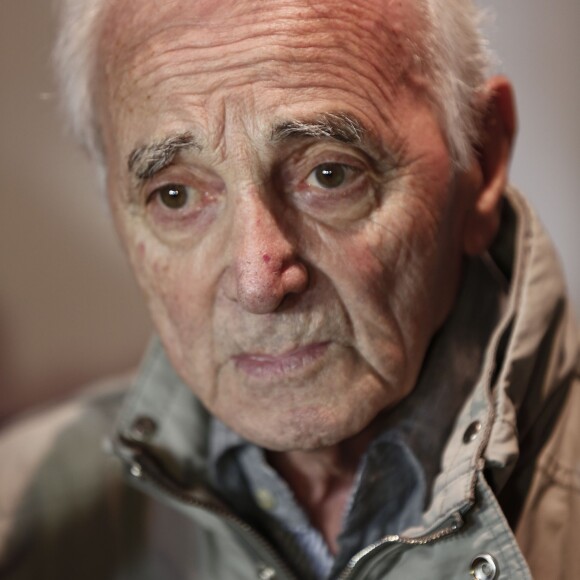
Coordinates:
297	312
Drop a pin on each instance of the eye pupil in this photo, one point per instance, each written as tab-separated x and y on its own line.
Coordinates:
173	196
330	175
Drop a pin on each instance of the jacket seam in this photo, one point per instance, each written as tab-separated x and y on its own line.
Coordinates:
559	474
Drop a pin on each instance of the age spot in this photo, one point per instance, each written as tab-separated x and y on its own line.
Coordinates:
266	258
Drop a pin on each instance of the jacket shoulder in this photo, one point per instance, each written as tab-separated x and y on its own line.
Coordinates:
56	478
548	529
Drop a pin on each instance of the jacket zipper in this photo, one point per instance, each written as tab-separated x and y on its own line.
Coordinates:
145	469
448	529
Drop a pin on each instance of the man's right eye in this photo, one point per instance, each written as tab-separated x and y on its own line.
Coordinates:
173	195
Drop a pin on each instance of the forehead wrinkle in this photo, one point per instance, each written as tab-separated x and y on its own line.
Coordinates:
281	30
287	47
147	160
360	49
377	41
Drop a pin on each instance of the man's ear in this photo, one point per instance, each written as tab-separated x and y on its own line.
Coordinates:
492	156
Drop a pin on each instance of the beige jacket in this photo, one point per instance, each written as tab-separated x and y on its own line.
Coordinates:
506	503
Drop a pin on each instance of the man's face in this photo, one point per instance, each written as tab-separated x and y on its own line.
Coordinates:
287	199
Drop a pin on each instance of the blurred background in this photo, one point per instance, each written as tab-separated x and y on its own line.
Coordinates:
69	310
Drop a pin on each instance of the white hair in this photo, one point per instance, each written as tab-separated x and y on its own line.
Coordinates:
458	60
454	52
75	58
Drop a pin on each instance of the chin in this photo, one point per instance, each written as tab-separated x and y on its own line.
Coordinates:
305	429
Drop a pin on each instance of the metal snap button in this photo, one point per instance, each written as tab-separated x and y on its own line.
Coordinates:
472	432
143	428
484	567
136	470
266	572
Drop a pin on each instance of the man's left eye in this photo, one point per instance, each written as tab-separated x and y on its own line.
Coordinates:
329	175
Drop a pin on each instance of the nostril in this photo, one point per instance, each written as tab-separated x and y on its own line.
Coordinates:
295	278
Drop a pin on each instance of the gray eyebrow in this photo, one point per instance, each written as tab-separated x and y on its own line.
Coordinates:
337	126
147	160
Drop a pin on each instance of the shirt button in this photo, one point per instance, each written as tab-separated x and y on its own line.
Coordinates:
484	567
266	572
472	432
265	499
143	428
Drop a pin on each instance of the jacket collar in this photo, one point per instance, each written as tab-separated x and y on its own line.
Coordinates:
536	347
163	417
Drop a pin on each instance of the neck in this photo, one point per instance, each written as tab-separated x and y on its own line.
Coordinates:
322	480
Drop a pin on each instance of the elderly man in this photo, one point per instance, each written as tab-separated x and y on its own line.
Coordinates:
365	365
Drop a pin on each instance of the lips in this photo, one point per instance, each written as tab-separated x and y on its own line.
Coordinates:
287	363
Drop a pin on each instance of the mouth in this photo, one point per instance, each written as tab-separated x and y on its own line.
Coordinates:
288	363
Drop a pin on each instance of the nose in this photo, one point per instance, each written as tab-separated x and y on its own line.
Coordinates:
266	267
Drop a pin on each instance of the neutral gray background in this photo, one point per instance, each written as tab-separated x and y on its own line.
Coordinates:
69	310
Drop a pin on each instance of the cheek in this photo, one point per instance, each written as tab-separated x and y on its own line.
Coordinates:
177	285
174	293
391	252
395	270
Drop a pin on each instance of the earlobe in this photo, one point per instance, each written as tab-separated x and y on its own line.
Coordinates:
493	157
